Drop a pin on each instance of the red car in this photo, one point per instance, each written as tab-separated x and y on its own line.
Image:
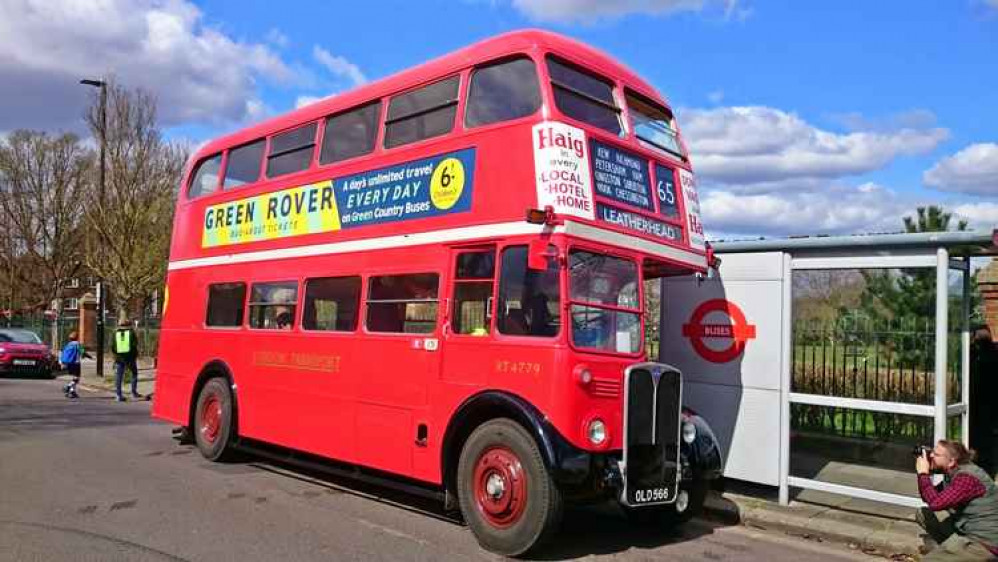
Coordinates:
22	352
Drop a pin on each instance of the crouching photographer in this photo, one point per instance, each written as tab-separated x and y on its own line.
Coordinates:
968	494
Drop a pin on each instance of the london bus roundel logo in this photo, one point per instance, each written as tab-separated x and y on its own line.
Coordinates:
736	330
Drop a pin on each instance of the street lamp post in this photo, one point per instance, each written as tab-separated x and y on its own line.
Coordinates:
100	280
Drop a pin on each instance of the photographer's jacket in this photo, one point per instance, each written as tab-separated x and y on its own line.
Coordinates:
972	497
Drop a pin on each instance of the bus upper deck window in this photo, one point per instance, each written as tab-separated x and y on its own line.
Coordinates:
291	151
243	165
503	91
351	133
653	124
583	96
421	114
205	177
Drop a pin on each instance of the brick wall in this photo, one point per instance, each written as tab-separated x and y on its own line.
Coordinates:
987	283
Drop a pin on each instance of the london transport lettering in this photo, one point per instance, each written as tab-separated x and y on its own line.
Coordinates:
427	187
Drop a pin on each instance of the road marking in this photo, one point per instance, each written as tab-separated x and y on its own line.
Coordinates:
390	531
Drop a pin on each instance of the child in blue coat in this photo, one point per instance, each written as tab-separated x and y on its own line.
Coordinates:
70	358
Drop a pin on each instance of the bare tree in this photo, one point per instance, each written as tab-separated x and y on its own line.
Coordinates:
43	182
131	224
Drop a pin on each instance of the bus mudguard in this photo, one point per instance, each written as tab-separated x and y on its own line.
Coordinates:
568	464
704	453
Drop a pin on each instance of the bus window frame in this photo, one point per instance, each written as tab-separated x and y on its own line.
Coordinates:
245	308
548	89
629	92
537	340
456	123
454	282
638	262
378	131
442	303
300	326
297	304
261	170
319	123
466	92
197	168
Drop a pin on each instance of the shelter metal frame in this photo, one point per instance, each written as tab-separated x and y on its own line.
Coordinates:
887	251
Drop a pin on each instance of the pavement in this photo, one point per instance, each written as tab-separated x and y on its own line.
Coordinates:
875	528
92	479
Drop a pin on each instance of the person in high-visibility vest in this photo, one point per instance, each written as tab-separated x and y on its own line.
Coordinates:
126	350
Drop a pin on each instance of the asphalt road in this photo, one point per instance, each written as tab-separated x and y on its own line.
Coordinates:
97	480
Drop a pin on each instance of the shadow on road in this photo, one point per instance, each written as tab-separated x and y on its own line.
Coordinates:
586	530
47	410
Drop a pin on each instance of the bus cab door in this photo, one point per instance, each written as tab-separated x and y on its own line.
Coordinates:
468	325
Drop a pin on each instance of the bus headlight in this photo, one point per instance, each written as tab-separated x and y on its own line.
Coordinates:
689	432
597	432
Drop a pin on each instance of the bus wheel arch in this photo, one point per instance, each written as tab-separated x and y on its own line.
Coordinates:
220	405
482	408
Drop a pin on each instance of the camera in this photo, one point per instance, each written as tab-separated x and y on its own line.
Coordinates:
919	450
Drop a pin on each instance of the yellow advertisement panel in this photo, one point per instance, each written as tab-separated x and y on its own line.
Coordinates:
300	210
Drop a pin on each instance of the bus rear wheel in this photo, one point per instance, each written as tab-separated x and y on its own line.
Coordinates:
507	496
213	420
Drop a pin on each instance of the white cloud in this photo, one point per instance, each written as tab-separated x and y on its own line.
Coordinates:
277	38
716	97
587	11
751	145
197	73
832	210
973	170
339	66
302	101
981	215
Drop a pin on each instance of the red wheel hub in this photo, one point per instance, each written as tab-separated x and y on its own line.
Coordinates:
500	486
211	418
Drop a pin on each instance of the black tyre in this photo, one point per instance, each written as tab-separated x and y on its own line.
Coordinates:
213	421
506	494
668	516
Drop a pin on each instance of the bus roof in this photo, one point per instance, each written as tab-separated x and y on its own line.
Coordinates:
494	47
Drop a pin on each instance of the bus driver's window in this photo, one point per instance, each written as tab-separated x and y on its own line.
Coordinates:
529	300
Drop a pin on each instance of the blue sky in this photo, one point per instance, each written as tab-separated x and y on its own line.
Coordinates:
802	117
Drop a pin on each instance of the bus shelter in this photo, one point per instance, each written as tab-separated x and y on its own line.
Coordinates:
822	361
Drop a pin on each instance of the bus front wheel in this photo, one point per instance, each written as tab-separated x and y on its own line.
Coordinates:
507	495
213	420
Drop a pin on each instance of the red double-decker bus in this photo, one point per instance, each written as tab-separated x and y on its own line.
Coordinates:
438	281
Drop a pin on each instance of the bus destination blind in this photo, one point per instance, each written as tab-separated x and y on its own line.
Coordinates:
621	176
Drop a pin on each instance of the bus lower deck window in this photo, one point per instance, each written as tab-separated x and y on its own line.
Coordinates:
405	304
331	304
272	305
225	304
